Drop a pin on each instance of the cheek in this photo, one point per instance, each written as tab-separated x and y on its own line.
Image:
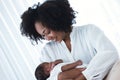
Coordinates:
53	34
62	34
36	28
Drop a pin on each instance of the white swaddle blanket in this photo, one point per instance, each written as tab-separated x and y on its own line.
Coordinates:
57	69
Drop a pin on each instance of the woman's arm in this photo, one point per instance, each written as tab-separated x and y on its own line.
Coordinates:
105	54
80	77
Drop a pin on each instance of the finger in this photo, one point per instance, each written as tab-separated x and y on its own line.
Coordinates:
81	69
79	62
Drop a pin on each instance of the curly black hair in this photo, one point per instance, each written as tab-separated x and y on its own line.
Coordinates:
56	15
40	73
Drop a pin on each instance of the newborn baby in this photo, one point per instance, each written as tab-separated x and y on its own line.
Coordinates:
47	69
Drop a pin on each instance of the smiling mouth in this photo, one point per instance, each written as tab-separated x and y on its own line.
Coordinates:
55	39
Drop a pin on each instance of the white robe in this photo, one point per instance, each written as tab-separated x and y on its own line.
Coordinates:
89	44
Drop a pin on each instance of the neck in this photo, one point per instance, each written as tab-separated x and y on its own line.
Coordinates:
67	37
67	41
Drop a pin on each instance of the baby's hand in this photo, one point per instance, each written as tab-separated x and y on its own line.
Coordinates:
58	61
79	62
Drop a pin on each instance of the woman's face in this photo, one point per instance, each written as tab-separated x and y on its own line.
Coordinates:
49	34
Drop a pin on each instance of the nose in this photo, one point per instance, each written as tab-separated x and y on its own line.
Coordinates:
48	38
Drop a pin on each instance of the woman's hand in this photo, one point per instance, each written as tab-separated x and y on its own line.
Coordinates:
75	74
81	77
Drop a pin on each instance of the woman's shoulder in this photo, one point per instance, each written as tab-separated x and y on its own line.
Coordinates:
83	27
86	28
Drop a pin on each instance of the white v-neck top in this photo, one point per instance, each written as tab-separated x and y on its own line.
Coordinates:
89	44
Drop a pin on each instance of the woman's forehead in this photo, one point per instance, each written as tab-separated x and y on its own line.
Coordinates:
39	24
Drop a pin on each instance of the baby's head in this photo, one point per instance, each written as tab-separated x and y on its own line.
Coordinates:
42	72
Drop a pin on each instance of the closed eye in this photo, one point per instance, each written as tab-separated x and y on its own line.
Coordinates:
48	32
43	36
45	33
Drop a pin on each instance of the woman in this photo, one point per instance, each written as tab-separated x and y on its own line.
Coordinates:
53	21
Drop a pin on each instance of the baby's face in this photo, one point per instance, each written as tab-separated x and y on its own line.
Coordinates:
48	67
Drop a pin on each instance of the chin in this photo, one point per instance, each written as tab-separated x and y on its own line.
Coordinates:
59	41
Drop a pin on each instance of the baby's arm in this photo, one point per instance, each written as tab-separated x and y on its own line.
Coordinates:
58	61
71	66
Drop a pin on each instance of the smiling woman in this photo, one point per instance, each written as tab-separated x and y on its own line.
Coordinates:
53	20
18	58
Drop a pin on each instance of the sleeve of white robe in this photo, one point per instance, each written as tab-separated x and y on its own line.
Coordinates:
105	57
57	69
55	72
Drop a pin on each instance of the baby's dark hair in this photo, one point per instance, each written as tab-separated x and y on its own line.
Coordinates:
40	73
56	15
